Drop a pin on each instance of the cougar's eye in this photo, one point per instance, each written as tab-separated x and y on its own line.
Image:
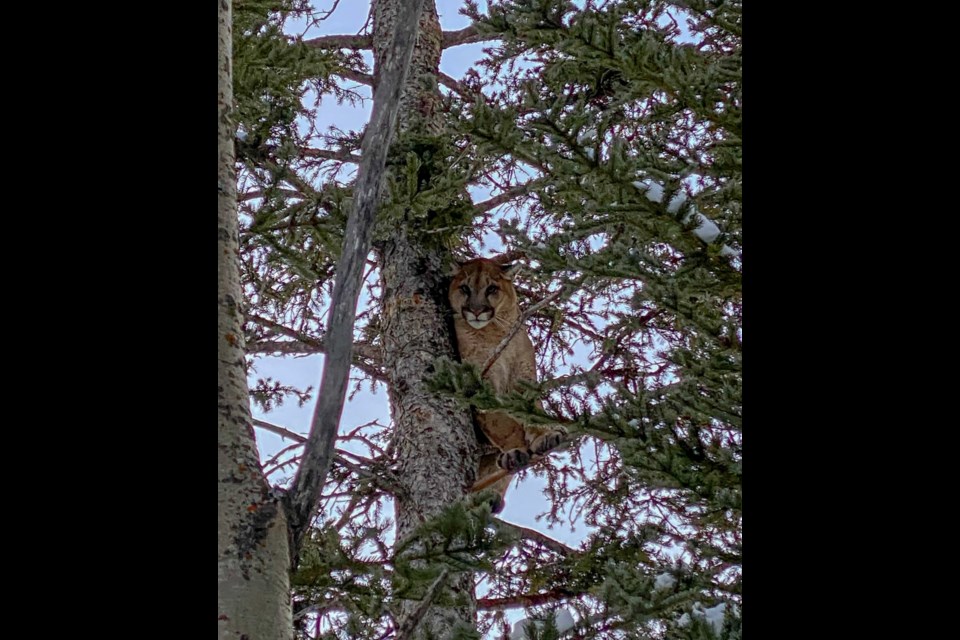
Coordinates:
465	290
492	289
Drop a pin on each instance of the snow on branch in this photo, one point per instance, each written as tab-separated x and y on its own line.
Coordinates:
706	229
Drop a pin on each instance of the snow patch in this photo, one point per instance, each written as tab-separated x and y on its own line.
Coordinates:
706	229
664	580
563	620
676	202
713	615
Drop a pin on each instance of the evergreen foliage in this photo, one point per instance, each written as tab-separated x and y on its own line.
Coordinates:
624	117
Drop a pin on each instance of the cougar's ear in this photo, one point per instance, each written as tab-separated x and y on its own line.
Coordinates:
510	270
454	268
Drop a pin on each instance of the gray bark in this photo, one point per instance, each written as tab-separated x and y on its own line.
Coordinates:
436	446
319	451
253	584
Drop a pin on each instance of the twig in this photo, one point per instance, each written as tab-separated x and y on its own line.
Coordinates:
280	431
516	329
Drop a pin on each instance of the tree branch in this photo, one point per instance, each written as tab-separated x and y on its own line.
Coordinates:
280	431
509	194
350	74
258	193
523	599
329	154
318	453
467	35
302	347
301	344
455	85
516	328
341	42
535	536
385	481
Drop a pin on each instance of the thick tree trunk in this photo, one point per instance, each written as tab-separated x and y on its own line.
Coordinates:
436	444
253	583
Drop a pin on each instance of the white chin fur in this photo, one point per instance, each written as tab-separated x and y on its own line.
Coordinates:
478	324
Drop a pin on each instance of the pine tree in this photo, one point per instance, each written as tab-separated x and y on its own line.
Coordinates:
611	134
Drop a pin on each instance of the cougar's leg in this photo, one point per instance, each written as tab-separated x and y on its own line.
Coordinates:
507	435
542	438
488	467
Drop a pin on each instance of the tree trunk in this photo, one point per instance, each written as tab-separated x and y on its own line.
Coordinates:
253	583
436	444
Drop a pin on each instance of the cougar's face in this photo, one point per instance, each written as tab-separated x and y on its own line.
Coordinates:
481	288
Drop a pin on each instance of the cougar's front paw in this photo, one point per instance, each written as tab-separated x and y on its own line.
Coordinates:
546	442
513	459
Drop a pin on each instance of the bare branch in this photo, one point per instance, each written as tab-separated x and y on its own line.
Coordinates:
319	451
516	328
384	481
309	347
354	42
329	154
350	74
509	194
280	431
535	536
467	35
455	85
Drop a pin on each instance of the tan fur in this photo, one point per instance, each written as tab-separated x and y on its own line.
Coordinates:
482	290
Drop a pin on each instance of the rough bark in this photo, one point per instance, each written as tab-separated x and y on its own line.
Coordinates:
319	451
436	446
253	585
